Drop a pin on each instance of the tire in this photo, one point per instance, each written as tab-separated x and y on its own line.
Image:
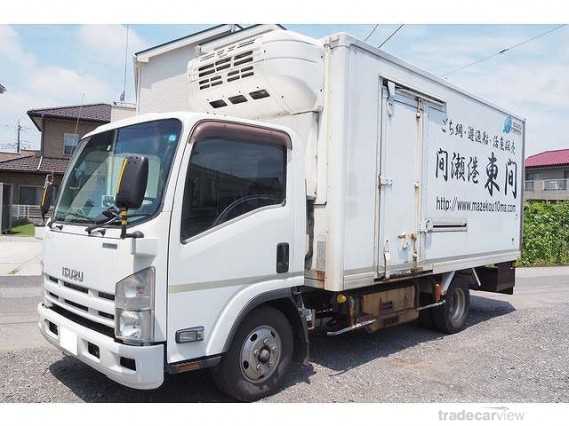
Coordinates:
264	337
450	317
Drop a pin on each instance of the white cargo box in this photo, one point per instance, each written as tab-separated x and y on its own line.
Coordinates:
407	174
421	176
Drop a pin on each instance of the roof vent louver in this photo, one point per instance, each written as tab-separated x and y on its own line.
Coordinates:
271	74
220	67
259	94
218	103
237	99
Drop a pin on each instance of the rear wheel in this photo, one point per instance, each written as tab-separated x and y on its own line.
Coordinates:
259	356
450	317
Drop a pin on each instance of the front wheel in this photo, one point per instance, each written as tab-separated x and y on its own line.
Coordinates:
258	358
451	316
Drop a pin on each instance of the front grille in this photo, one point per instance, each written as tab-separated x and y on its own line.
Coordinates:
107	296
109	316
76	287
77	305
107	331
93	305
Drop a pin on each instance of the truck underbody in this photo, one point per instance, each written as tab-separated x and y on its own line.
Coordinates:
398	300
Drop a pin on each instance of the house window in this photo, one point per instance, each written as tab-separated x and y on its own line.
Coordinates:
30	195
69	142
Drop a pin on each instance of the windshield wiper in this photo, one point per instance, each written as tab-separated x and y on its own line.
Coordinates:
75	215
108	217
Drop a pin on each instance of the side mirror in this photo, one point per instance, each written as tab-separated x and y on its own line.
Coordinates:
133	178
45	203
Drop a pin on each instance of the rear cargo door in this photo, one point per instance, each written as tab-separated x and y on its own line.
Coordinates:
399	181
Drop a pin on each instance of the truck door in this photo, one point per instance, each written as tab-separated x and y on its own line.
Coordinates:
232	229
399	181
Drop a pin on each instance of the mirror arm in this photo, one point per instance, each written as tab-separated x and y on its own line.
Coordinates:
124	234
123	218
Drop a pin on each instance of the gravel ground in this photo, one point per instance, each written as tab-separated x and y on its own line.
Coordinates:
515	349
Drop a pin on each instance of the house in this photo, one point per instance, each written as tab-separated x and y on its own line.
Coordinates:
163	69
547	176
23	174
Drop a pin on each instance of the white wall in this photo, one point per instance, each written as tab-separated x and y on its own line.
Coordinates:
163	84
120	112
162	80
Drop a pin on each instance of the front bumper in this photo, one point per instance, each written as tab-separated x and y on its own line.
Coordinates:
74	339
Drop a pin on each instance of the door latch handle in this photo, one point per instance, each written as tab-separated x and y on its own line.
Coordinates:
282	257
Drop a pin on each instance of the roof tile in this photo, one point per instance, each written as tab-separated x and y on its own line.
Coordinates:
558	157
96	112
33	164
6	156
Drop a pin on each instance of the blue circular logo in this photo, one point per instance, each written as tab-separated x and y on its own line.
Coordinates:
507	125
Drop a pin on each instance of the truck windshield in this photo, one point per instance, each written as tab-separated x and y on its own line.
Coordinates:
91	184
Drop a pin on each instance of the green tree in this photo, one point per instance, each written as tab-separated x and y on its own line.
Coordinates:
546	234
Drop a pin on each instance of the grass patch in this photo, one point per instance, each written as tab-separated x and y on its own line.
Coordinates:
24	230
546	234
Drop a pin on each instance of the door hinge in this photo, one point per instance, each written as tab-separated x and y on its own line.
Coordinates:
386	258
419	108
426	227
384	181
390	96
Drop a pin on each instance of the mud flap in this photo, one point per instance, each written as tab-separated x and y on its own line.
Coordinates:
499	278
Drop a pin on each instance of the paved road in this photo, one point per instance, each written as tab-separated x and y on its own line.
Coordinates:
20	255
515	349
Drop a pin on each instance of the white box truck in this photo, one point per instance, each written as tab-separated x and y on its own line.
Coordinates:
314	186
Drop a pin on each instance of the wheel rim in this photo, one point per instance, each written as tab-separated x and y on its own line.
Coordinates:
457	306
260	354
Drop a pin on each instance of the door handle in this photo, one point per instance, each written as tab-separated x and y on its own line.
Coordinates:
282	257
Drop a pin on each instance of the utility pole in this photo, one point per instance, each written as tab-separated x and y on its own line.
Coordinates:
18	136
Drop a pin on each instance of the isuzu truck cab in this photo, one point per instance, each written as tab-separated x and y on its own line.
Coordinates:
313	186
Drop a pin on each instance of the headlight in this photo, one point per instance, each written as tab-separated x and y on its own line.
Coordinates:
134	307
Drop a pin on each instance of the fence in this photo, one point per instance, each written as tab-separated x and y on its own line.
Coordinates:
23	212
547	185
547	189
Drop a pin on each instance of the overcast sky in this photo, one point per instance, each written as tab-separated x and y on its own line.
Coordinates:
54	65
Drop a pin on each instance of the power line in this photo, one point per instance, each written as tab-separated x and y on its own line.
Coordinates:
11	126
390	35
371	32
507	49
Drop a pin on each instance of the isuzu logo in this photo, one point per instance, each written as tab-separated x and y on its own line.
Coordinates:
72	274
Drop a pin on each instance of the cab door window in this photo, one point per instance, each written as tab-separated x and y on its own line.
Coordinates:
230	176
